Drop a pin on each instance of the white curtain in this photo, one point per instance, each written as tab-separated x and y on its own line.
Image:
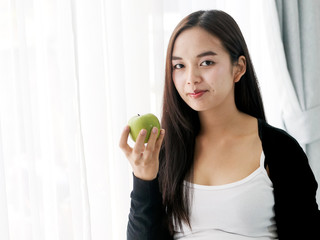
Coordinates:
72	72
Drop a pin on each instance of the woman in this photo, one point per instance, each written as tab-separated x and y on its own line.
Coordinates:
217	170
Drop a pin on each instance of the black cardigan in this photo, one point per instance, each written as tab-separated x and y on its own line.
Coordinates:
296	211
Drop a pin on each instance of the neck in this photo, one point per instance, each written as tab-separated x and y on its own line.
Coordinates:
220	123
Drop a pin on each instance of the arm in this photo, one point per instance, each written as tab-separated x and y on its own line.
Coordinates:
147	214
296	209
295	194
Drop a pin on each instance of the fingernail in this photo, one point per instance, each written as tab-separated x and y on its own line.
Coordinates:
154	130
162	132
143	132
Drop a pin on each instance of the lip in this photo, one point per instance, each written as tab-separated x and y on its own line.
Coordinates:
197	93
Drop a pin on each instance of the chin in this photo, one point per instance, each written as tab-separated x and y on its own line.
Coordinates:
198	108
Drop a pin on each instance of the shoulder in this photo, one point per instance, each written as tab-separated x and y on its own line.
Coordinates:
285	158
275	139
282	152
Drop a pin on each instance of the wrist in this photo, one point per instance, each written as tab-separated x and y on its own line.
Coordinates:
143	189
145	175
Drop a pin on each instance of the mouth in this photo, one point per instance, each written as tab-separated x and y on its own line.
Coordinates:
197	93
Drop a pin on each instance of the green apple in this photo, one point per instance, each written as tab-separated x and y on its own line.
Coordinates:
147	121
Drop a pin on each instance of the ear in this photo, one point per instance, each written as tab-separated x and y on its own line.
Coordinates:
239	69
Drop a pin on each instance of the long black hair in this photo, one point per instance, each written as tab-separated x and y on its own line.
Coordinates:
182	123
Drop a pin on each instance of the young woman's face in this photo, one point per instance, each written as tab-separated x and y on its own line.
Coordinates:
203	73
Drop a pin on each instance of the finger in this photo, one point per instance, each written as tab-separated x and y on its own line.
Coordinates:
123	143
159	141
152	139
139	146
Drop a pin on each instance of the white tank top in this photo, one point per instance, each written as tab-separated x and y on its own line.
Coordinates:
239	210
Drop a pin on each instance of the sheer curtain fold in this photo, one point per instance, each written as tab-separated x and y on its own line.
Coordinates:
40	128
4	226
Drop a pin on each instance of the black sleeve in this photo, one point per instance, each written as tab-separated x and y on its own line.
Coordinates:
295	187
147	213
301	206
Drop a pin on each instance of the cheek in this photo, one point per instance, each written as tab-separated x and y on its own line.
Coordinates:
211	77
178	83
176	76
219	76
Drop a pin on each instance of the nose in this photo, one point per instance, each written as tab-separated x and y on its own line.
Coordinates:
193	75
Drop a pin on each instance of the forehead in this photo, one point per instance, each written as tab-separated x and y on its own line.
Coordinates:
196	40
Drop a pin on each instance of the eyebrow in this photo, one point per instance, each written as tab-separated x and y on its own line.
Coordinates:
207	53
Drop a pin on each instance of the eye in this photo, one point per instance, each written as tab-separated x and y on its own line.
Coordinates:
206	63
178	66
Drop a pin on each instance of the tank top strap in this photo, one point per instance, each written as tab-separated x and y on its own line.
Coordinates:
262	160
